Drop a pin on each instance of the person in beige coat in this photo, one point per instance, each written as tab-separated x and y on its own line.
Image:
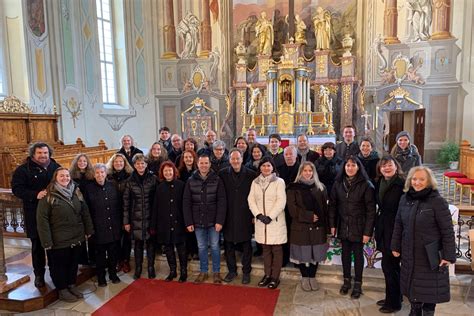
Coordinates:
267	199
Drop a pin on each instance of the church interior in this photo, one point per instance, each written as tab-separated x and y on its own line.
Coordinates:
80	74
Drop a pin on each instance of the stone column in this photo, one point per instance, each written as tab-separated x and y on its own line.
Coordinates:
390	22
206	32
169	32
441	19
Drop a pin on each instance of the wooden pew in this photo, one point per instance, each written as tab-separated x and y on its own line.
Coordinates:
466	159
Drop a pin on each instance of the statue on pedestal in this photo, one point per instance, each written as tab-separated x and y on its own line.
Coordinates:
300	30
252	110
322	28
419	17
241	51
325	104
188	28
264	33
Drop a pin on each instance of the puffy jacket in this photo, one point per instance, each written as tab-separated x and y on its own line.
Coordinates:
63	223
328	170
269	201
419	222
352	209
105	207
137	204
204	201
27	181
303	230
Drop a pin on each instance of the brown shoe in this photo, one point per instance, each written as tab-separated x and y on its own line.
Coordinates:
201	278
217	278
126	267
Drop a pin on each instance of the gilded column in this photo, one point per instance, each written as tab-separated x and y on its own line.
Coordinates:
169	32
206	32
441	19
390	22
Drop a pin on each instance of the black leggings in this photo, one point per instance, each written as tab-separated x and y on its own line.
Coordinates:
308	271
349	247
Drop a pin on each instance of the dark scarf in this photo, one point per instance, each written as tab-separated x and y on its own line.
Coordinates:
120	175
403	154
43	165
419	195
385	185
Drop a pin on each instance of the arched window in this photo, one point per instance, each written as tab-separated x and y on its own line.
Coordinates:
106	47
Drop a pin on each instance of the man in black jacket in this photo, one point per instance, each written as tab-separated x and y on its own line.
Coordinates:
304	151
105	207
29	184
128	149
349	146
238	226
176	148
165	138
204	207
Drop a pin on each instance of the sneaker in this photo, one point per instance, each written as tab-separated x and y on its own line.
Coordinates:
305	286
230	277
217	278
66	296
74	291
246	278
201	278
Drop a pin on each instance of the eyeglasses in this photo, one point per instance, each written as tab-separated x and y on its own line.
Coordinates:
219	149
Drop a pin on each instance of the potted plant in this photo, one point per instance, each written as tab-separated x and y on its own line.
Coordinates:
449	155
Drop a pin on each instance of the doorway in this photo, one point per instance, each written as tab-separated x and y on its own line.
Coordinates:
411	121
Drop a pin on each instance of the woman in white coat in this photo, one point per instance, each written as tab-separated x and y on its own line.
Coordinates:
267	199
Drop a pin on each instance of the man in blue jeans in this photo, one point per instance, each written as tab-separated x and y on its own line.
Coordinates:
204	207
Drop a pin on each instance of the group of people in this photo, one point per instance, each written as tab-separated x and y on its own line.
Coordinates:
186	198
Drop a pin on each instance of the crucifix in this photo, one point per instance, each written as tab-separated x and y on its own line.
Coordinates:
366	117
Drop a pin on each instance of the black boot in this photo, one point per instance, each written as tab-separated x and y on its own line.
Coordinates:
428	313
183	263
138	252
150	254
171	258
357	291
416	309
346	286
39	281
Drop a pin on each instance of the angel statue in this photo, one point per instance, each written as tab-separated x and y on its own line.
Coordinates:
300	29
188	29
264	34
325	103
252	110
322	28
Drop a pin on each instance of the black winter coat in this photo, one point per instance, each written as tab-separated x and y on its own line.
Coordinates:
27	181
287	173
133	152
311	156
419	222
370	164
137	204
343	150
185	174
219	164
119	179
386	213
328	170
303	230
167	219
204	201
105	207
238	220
174	154
408	158
352	209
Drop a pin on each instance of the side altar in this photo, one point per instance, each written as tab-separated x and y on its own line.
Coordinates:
295	93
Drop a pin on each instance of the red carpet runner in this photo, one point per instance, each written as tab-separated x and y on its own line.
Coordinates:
153	297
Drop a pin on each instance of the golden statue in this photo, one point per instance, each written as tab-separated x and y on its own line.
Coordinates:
264	33
254	97
300	30
322	28
325	104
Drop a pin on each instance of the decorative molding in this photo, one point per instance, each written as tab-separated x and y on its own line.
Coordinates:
117	118
12	104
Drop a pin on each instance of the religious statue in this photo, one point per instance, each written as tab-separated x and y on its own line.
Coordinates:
188	29
325	103
241	51
252	110
264	34
413	76
300	30
419	17
322	28
286	92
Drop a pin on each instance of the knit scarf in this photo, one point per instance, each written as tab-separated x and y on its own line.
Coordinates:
303	153
67	192
264	182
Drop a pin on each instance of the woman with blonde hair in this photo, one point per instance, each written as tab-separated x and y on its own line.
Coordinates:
155	157
118	172
307	202
423	237
64	223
